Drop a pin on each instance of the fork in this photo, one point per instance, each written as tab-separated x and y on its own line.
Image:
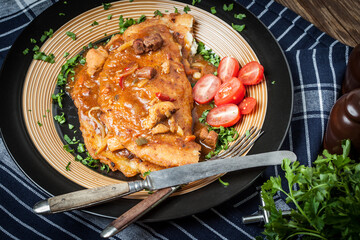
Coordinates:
244	143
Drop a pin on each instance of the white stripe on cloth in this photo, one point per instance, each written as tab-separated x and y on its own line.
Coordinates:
249	6
151	230
301	37
232	224
266	9
291	144
307	141
315	85
245	199
23	224
14	30
277	19
210	228
310	116
94	227
288	29
183	230
346	54
317	41
34	4
5	48
333	70
8	234
319	93
42	217
24	10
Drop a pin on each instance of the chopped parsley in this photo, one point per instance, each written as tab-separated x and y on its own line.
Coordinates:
109	17
44	116
39	123
223	183
61	14
71	35
32	40
125	23
273	82
208	54
58	98
68	149
82	61
69	140
36	48
239	16
228	8
202	119
247	133
42	56
213	10
195	2
68	166
131	0
94	23
66	54
60	118
70	126
105	167
238	28
88	161
176	10
158	13
215	73
47	34
146	173
106	6
81	148
226	135
47	110
26	51
68	68
186	9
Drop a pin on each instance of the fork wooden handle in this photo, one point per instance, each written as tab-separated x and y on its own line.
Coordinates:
136	212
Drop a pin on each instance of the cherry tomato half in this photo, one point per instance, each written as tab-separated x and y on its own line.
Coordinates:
247	105
224	115
228	68
206	88
252	73
232	91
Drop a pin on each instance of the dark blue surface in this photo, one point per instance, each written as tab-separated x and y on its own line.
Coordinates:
317	62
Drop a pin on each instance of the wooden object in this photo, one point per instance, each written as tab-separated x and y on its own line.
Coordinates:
338	18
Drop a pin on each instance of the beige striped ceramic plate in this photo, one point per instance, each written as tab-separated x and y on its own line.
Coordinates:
41	79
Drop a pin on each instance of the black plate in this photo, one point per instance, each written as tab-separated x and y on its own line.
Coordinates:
24	153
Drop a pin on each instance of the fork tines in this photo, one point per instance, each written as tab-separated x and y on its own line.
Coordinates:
243	143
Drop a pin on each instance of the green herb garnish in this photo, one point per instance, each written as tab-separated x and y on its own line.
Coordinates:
158	13
47	34
213	10
71	35
68	166
176	10
68	149
105	167
39	123
109	17
106	6
238	28
94	23
326	199
273	82
32	40
60	118
239	16
68	68
58	98
26	51
61	14
229	7
70	126
81	148
36	48
186	9
42	56
195	1
223	183
146	173
226	135
66	54
208	54
70	141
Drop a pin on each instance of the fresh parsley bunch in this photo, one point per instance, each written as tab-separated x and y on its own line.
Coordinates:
327	200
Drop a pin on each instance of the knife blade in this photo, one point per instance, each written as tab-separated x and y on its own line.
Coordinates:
158	180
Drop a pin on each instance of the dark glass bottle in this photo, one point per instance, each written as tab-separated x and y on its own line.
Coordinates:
352	74
344	123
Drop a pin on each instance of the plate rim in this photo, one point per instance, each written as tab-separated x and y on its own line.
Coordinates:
94	3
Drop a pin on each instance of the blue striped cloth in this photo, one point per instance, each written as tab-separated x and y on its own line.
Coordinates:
317	62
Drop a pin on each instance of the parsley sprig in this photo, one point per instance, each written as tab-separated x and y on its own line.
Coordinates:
125	23
208	54
327	199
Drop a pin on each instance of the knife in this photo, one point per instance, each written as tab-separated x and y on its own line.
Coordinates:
158	180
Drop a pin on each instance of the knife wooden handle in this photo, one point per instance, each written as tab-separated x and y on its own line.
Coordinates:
81	199
136	212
